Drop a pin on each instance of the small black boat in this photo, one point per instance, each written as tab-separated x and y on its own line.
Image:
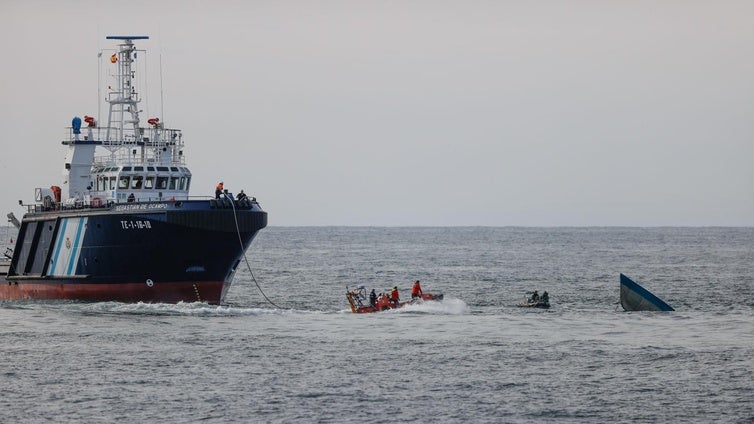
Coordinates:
538	304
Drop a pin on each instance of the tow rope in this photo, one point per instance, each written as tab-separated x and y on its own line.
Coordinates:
243	252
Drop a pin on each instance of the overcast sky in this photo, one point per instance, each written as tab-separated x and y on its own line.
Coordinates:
394	113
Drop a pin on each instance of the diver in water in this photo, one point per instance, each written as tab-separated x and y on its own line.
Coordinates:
534	297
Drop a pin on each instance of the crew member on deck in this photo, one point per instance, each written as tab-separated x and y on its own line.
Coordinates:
545	298
241	195
131	198
219	190
372	295
394	296
416	290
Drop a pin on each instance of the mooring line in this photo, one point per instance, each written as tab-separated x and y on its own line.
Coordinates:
243	252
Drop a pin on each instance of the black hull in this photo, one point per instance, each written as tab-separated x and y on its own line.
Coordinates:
151	252
540	305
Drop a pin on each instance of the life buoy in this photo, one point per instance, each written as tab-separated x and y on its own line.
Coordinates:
90	120
96	202
153	121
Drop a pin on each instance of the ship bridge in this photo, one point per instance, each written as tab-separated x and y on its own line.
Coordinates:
124	160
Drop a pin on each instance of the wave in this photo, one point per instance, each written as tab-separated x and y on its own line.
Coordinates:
153	309
444	307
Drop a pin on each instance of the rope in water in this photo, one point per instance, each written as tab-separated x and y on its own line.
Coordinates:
243	252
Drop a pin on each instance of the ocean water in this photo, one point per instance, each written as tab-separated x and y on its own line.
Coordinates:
474	357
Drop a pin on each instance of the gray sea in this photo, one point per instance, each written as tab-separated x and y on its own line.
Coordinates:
474	357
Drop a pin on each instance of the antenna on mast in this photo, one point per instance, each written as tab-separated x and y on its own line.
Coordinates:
124	99
162	103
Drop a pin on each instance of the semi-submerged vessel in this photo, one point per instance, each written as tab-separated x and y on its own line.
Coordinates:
634	297
122	226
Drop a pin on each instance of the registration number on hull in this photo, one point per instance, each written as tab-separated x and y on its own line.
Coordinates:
135	225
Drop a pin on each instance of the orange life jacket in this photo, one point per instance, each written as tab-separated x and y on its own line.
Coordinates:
383	302
394	295
416	289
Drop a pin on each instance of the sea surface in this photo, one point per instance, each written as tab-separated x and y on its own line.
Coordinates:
474	357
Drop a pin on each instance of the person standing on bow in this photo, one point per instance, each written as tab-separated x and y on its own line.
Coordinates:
416	290
219	190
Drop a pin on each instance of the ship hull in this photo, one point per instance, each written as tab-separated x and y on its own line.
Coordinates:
141	252
165	292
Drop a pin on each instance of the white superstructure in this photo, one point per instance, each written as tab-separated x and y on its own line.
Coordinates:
123	161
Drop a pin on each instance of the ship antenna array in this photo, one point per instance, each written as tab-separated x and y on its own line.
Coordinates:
126	100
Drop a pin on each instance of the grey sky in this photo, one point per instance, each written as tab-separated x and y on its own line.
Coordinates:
414	112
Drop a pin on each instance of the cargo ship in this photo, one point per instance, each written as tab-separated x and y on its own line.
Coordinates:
121	226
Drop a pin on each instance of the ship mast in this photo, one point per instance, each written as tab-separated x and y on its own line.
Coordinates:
123	97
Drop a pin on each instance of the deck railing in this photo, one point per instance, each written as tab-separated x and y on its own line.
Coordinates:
215	203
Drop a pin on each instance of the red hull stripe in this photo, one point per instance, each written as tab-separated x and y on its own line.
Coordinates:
184	291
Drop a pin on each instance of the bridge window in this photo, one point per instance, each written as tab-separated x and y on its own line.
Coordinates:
112	183
123	182
149	183
162	183
172	183
136	182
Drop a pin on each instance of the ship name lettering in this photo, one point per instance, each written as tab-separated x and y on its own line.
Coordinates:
141	207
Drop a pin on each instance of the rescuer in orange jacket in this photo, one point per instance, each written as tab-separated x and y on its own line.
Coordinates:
394	296
416	290
383	302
